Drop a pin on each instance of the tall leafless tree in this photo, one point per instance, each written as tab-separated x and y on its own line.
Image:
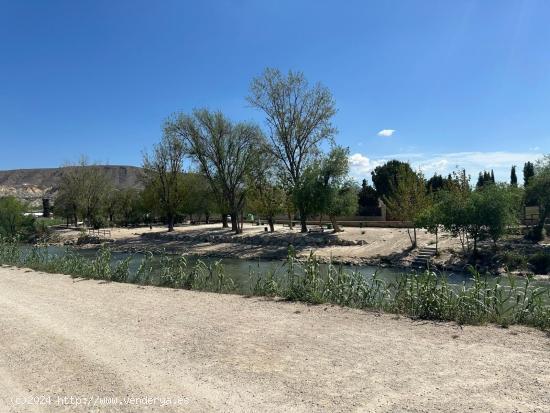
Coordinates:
163	169
298	117
225	153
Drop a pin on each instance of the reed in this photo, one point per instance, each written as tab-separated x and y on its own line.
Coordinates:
425	295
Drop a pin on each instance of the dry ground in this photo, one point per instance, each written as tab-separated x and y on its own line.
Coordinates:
84	338
377	242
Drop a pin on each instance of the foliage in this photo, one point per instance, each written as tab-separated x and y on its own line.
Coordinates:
298	118
425	295
540	262
12	221
385	177
431	218
367	200
513	177
266	195
83	191
538	190
407	198
485	178
513	260
199	200
528	173
325	188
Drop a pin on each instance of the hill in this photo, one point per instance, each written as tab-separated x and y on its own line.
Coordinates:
31	185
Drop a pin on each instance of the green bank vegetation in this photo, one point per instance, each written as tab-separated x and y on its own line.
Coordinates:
424	295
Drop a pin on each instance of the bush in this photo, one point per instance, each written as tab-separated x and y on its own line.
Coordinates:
540	262
514	261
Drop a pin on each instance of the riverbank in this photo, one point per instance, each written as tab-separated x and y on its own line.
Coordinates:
224	352
384	247
368	246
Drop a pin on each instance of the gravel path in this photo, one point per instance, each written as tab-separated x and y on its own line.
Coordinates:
63	338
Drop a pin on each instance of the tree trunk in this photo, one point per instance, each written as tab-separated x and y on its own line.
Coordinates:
170	223
414	244
335	226
303	220
224	221
436	240
270	223
234	222
207	218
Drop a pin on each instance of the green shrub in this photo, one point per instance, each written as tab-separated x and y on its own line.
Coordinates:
513	260
540	262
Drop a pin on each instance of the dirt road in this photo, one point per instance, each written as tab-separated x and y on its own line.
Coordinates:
63	338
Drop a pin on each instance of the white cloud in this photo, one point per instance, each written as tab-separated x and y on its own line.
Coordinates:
444	163
386	132
361	166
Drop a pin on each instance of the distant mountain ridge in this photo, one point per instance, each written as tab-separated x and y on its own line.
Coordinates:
31	185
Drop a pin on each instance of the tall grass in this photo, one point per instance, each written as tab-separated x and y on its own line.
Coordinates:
425	295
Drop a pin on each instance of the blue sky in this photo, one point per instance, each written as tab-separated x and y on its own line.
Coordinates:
459	82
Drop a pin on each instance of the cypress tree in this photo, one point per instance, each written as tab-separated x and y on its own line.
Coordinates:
513	177
480	181
528	173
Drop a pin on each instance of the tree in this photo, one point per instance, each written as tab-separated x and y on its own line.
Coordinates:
407	198
12	220
435	183
83	189
367	199
513	177
337	195
538	190
528	173
498	208
431	219
298	118
266	197
385	177
129	205
199	199
162	171
225	152
111	204
484	179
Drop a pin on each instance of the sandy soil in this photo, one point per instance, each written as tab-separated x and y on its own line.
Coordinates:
83	338
391	243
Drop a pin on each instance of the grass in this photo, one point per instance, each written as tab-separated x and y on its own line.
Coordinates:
425	295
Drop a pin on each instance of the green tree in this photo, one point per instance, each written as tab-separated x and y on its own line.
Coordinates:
513	177
528	173
385	177
298	117
407	198
431	218
538	190
199	200
367	199
337	193
266	197
82	191
12	220
498	209
129	205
